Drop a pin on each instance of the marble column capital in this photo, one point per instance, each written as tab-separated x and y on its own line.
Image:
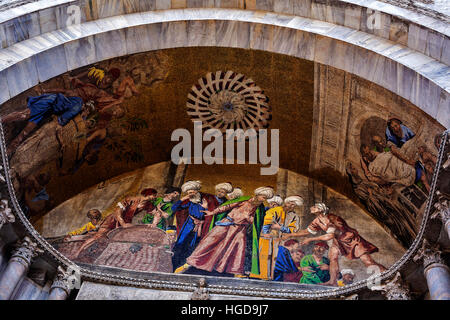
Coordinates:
62	280
429	255
25	251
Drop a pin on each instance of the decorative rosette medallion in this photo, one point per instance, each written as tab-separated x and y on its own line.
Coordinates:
228	100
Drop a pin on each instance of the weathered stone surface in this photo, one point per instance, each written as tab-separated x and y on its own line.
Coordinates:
97	291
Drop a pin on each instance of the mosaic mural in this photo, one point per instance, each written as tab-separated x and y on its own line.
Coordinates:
217	228
89	154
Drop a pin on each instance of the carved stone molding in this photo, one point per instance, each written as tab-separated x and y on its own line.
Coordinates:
395	289
25	251
350	297
201	293
6	214
415	6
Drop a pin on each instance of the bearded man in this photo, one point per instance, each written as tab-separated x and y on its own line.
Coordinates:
348	276
226	247
275	201
275	224
237	195
190	219
180	209
222	189
318	264
397	133
287	265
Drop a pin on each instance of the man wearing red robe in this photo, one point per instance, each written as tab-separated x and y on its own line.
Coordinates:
123	215
344	240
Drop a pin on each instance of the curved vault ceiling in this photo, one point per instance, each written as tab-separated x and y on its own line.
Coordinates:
324	116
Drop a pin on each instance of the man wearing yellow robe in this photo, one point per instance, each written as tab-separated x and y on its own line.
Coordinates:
275	223
94	216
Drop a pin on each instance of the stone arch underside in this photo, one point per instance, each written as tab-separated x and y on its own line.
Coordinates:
408	74
411	75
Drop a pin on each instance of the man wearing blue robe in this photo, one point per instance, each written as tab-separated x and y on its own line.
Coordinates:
287	265
42	107
194	203
397	133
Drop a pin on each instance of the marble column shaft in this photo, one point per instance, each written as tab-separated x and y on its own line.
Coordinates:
60	288
17	267
436	272
57	293
438	281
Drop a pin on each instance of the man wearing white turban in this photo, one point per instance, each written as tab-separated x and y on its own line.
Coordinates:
222	189
190	220
235	196
343	240
220	197
191	185
347	277
229	247
236	193
275	201
278	220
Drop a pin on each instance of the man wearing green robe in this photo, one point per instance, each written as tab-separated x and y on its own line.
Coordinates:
251	264
163	209
318	265
220	249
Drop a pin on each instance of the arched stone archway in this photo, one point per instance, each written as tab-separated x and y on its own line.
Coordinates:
406	73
